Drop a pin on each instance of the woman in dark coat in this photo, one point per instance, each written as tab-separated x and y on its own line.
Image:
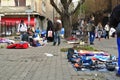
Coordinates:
49	32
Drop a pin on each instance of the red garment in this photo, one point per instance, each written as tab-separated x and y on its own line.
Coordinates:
18	46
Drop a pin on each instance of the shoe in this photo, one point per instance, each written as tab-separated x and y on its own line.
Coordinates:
58	44
118	75
54	44
91	43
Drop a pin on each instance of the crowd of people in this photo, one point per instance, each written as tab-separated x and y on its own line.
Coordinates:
90	31
86	27
35	37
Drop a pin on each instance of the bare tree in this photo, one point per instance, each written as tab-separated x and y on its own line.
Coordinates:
66	14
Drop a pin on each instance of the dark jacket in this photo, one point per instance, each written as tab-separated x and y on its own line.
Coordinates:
115	17
57	26
49	25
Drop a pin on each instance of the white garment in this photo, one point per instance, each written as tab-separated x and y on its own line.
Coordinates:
37	38
22	28
59	21
107	27
112	30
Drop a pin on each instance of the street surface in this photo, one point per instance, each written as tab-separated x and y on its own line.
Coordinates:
33	64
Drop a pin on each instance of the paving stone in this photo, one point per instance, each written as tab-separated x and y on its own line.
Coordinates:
33	64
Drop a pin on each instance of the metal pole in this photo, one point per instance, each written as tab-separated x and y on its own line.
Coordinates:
28	19
53	14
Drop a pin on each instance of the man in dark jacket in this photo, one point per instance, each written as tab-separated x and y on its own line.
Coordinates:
115	22
91	30
57	29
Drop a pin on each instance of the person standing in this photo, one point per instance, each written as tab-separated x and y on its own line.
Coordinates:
115	22
57	30
49	32
91	30
107	29
22	29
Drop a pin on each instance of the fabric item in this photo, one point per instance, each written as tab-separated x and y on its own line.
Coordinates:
107	35
70	54
12	46
37	31
57	37
22	27
71	38
99	34
24	37
36	43
91	27
62	31
18	33
59	21
115	16
118	44
57	26
4	40
112	30
118	30
50	33
107	27
18	46
92	37
22	46
36	37
49	27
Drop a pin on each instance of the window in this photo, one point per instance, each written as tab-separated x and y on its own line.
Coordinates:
20	2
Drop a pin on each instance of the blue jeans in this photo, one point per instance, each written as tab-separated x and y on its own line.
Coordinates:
57	37
92	37
118	44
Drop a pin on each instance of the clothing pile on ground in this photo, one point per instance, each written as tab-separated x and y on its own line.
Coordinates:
20	45
91	60
25	42
72	40
5	40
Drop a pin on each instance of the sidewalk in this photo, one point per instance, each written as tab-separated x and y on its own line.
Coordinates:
33	64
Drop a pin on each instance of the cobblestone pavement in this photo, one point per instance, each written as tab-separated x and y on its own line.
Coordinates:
33	64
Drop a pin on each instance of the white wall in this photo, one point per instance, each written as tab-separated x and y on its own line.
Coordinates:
7	3
12	3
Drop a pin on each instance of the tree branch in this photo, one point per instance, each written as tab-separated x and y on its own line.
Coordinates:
64	4
69	2
79	4
55	6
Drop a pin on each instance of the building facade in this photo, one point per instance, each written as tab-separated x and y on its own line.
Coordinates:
33	12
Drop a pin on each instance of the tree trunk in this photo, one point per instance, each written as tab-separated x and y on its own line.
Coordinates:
67	25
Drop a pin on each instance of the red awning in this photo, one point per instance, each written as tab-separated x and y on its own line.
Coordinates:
17	20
